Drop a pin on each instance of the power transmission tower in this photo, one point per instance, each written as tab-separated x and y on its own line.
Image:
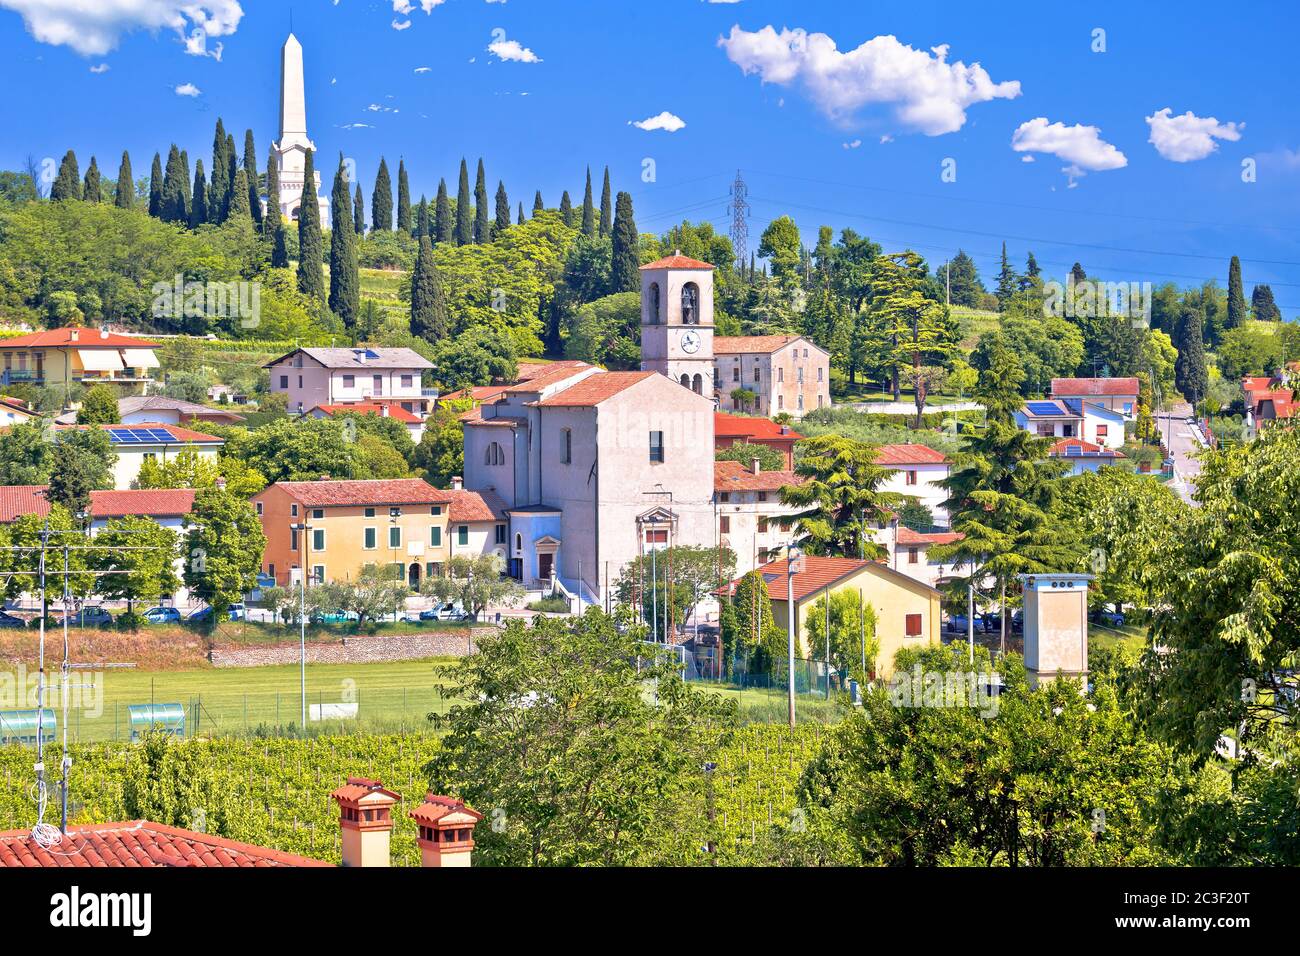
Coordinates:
739	210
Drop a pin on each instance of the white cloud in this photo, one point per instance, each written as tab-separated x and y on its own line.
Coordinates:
665	121
401	24
188	89
1027	158
927	93
100	68
424	69
357	126
196	44
406	6
853	145
95	28
513	51
886	138
1185	138
1080	146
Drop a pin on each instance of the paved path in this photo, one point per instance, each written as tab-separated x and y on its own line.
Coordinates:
1185	443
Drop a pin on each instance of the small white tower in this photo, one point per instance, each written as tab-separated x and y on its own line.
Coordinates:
677	321
1056	626
294	143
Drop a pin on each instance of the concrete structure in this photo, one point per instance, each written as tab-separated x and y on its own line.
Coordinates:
907	611
445	828
909	553
1117	394
917	473
787	373
365	821
137	409
477	524
1084	455
352	376
747	500
1073	418
292	147
74	355
729	430
677	321
1056	626
413	423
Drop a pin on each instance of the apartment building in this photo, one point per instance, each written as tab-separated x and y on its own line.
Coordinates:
313	377
784	373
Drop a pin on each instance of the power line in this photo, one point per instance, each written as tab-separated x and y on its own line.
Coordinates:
739	212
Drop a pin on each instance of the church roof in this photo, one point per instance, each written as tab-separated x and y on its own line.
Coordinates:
750	344
677	261
595	389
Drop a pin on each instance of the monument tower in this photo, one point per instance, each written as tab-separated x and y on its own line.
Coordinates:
294	143
677	321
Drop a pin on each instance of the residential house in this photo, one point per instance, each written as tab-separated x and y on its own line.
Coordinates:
909	553
1073	418
477	524
918	471
787	373
1268	399
14	412
414	423
907	610
1117	394
311	377
731	430
81	356
1084	455
137	409
151	441
747	500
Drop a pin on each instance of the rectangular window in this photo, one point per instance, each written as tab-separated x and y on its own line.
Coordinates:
300	381
318	539
370	512
735	374
407	381
1102	430
656	446
318	574
436	510
780	375
349	381
656	536
913	625
762	496
370	539
379	384
798	374
293	511
566	446
293	539
501	534
462	535
757	374
317	514
724	496
394	537
435	537
911	477
800	401
911	555
780	401
821	374
259	509
724	524
762	526
284	381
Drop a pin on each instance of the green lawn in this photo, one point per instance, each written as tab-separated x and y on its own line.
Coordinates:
1129	639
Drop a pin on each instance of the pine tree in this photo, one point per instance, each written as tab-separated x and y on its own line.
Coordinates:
605	223
250	175
1263	305
359	213
503	208
538	205
1191	376
1236	297
90	187
1077	274
155	187
125	197
443	227
219	185
274	221
68	183
311	277
199	197
1006	281
588	210
482	225
403	199
381	201
345	280
625	259
173	190
428	307
566	209
464	222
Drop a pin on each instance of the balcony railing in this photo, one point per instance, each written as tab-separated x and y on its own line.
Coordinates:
21	376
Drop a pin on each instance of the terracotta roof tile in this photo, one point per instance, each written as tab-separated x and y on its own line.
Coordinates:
139	843
86	339
434	808
733	476
1078	448
553	375
387	491
739	426
750	344
595	389
909	455
926	538
475	506
1071	387
820	573
396	412
179	434
677	261
18	500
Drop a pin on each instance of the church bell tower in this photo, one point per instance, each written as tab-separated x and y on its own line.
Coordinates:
677	321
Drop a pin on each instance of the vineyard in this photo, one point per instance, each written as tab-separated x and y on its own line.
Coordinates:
275	792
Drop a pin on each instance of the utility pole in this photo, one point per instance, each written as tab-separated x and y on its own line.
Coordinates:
738	209
793	565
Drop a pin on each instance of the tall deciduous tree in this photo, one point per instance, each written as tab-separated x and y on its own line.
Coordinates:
403	199
921	334
626	257
311	244
345	279
224	543
381	202
125	194
464	211
135	560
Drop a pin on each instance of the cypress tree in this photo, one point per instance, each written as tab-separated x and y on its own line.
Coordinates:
521	214
464	224
173	192
538	205
199	200
239	211
381	201
125	196
503	208
185	179
482	225
359	213
274	221
279	244
219	186
566	209
68	183
428	307
605	223
422	224
588	210
1263	304
403	199
1006	281
311	277
232	167
155	187
1236	297
1190	373
625	260
345	281
90	188
250	173
443	227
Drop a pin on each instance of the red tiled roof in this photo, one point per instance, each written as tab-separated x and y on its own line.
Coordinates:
479	394
139	843
1282	400
474	416
553	374
434	808
383	491
595	389
926	538
179	434
529	370
18	500
395	412
358	788
1094	386
1077	448
757	430
1257	383
677	261
16	405
733	476
750	344
86	339
475	506
909	455
818	573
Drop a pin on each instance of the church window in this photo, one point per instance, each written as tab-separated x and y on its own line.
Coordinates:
657	446
690	304
685	380
654	303
758	374
566	446
697	385
494	455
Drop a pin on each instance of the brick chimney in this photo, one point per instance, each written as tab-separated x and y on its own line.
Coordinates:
446	831
366	821
457	483
755	466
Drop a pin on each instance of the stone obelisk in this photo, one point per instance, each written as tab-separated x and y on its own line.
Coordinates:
293	143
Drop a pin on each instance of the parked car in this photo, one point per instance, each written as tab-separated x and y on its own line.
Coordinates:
235	613
445	612
163	615
334	617
8	620
1108	618
957	623
1017	621
93	616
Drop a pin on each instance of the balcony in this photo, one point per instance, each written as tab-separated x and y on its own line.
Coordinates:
21	377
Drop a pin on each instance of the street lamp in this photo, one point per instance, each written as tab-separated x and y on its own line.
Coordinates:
303	529
399	567
794	564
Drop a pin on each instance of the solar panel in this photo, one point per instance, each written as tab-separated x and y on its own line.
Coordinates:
159	434
123	436
1044	408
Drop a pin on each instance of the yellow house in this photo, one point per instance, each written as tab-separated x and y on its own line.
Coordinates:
907	611
78	355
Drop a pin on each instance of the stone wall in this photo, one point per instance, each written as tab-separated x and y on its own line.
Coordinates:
360	649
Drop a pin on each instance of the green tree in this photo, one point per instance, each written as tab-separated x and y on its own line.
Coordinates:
199	200
502	208
223	549
769	459
25	453
173	189
852	634
345	277
921	334
962	281
381	200
155	187
1236	297
1262	305
675	579
82	462
1008	281
588	210
606	222
750	635
67	185
359	213
625	258
475	358
482	224
475	583
298	450
440	455
403	199
377	591
464	220
90	188
238	212
251	178
443	224
273	224
311	277
221	182
135	558
429	318
99	406
566	209
124	194
1191	375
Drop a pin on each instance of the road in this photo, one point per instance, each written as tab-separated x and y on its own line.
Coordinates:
1185	443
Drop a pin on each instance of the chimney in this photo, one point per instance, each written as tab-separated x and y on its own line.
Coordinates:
785	429
446	831
103	331
366	821
74	335
457	483
383	411
755	466
361	356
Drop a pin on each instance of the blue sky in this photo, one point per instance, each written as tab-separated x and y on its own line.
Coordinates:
830	120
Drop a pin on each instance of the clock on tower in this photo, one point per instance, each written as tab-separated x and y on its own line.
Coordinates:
677	321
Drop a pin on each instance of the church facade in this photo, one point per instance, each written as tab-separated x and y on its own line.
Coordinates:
292	146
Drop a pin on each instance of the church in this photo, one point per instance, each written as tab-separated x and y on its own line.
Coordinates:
292	146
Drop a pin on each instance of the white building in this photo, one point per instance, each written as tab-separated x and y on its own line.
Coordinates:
1073	418
293	145
353	376
786	373
747	501
677	321
151	441
918	471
